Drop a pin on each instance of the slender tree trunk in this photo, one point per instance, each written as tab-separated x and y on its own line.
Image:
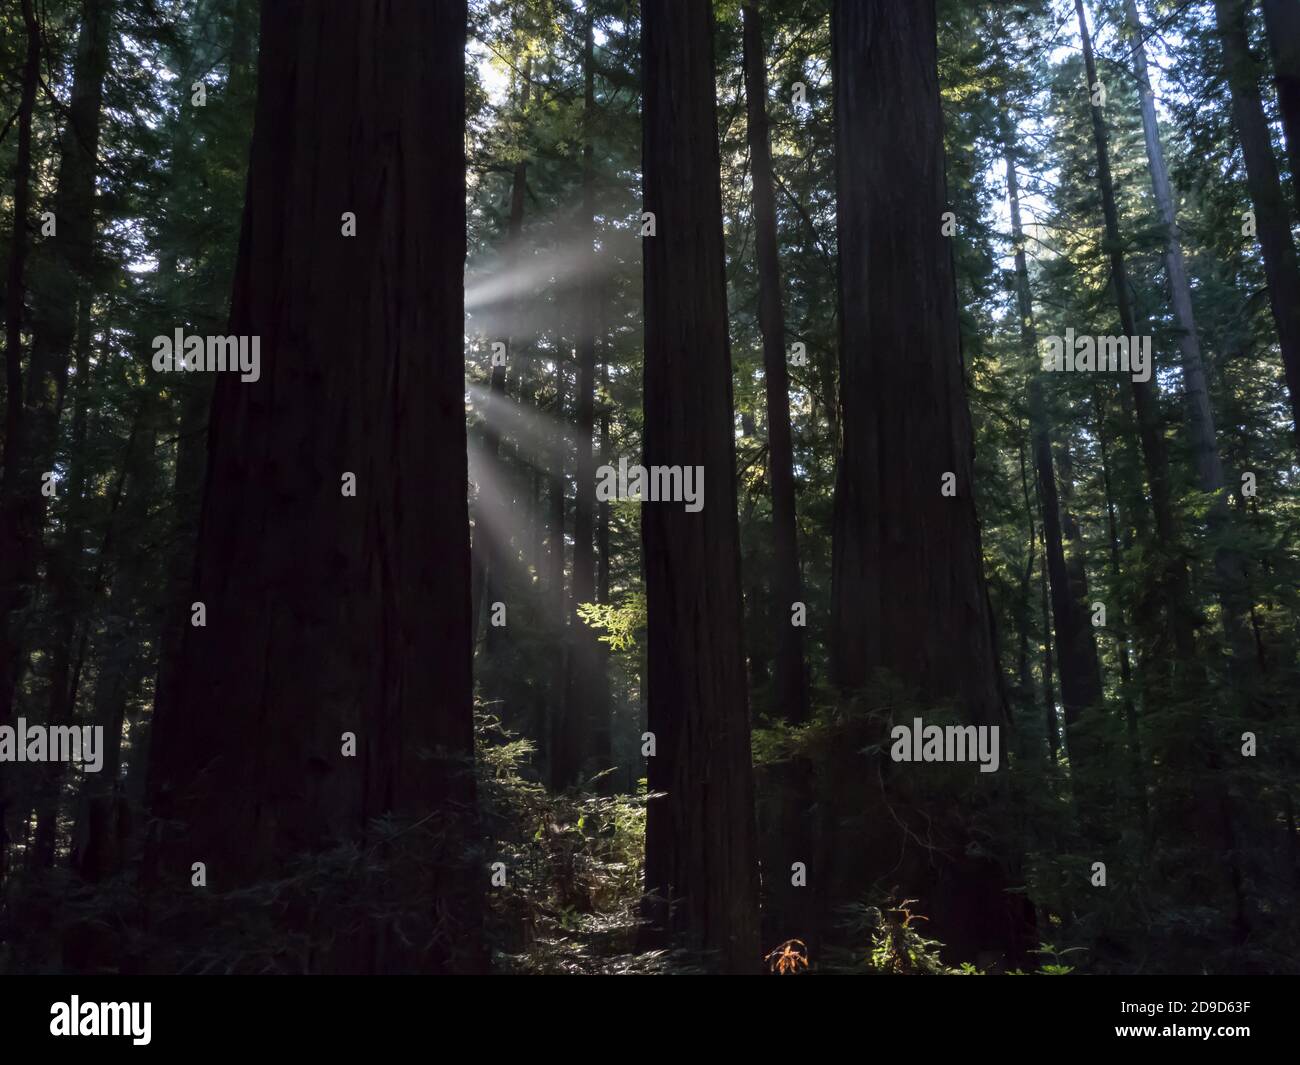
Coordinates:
602	508
1024	675
60	334
1282	25
1228	564
1076	650
67	600
1121	637
490	544
20	514
1271	216
568	730
790	690
329	613
585	702
1049	687
1146	400
701	850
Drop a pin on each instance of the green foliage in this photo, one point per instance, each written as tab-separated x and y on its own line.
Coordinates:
621	622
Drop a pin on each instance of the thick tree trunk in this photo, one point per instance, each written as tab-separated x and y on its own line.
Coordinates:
907	586
328	613
701	853
1228	564
790	691
1146	401
1271	217
1282	25
908	596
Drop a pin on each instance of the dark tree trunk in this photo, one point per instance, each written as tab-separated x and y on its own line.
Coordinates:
22	507
701	851
1049	686
907	596
1271	217
602	508
67	600
61	323
1229	566
1146	402
489	547
1282	25
585	702
907	586
100	810
1075	650
329	614
1138	768
566	728
790	691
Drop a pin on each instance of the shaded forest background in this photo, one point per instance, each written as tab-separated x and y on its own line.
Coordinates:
1115	583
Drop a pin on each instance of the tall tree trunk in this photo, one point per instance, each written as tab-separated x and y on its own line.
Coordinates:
1076	652
907	593
1138	769
907	586
1228	564
1271	216
585	701
1146	401
1282	25
67	600
61	333
790	690
22	507
490	545
701	852
567	729
602	509
326	613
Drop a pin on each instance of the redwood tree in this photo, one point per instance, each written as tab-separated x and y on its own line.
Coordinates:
908	597
700	835
790	689
329	613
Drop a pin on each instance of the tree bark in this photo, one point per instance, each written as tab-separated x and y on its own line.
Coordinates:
1146	401
790	690
1076	650
907	585
1228	564
61	332
701	853
1282	26
585	702
908	597
19	514
327	613
1271	218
